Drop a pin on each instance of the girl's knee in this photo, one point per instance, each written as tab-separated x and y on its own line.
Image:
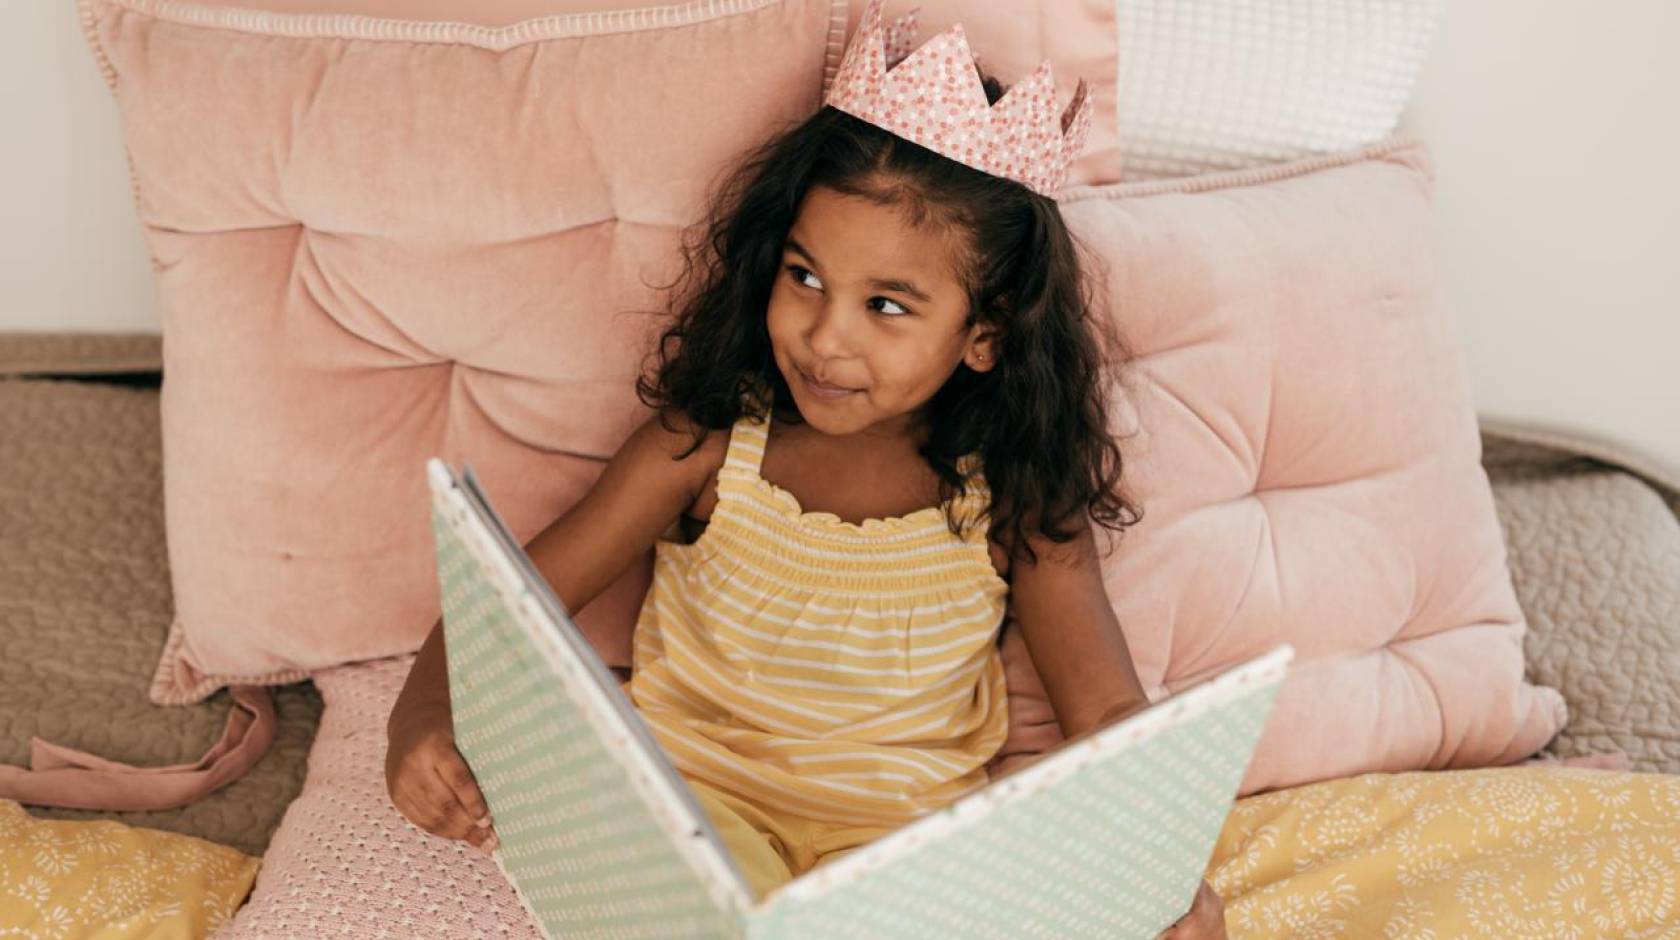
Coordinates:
757	854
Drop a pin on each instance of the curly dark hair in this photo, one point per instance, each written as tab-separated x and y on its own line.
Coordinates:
1038	418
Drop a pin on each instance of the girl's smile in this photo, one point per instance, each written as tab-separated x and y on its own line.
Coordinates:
823	391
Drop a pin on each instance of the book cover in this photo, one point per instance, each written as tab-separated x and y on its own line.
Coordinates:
1107	837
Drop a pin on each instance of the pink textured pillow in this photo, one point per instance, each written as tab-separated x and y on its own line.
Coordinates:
346	863
1299	429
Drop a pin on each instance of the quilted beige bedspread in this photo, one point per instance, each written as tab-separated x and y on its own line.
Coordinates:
1594	552
84	590
85	600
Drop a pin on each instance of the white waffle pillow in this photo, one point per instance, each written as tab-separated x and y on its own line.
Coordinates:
1208	85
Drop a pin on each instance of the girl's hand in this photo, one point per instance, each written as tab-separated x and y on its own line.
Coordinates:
1001	766
429	780
1206	920
1034	733
1033	729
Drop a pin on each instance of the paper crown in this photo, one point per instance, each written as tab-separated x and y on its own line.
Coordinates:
933	97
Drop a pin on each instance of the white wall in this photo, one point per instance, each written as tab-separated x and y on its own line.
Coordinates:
1556	132
1554	127
72	256
71	252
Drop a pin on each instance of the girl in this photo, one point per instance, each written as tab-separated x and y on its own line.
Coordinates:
898	353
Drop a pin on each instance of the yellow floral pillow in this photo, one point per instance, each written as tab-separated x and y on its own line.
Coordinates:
1514	853
106	880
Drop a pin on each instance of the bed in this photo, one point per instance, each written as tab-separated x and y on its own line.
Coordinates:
1594	551
297	301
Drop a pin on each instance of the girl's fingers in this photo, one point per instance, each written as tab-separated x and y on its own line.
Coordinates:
456	820
1206	917
458	777
1035	737
430	783
1212	905
1207	914
431	806
1031	711
1008	765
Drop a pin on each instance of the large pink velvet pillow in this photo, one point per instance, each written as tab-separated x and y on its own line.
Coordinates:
1078	38
378	241
1299	430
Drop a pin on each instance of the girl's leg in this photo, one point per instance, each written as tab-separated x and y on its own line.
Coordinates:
827	843
756	850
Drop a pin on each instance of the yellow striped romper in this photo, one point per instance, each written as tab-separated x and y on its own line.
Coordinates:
820	683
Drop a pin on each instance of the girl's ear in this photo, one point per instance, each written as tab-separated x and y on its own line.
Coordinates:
982	349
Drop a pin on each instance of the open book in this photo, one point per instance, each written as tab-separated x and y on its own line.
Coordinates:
601	837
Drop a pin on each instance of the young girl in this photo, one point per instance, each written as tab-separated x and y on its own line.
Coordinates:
879	417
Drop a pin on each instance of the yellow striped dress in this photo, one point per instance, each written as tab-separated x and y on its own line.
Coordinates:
846	675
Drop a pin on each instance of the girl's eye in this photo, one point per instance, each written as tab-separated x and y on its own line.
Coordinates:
799	274
799	278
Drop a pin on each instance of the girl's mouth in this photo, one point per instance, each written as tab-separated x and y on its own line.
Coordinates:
823	391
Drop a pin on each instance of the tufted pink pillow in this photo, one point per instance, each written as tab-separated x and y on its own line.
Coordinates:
377	241
1078	37
1299	429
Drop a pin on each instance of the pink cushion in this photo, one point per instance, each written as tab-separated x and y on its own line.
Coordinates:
379	241
1078	37
346	863
1301	436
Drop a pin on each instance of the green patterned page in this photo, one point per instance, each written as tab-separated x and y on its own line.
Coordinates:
592	836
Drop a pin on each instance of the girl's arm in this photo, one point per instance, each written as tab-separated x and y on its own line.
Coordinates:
634	500
1071	633
1075	642
638	495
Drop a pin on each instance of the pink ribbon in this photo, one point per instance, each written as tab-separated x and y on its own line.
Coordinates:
62	776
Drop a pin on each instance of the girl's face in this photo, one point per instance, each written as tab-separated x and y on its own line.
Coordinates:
871	304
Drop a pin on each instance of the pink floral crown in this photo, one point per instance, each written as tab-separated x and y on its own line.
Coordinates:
933	97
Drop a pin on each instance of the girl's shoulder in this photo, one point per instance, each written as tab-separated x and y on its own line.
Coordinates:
676	432
668	439
698	468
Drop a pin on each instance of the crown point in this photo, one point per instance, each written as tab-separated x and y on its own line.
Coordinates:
1022	137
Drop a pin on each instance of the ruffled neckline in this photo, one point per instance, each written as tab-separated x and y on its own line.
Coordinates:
909	522
790	504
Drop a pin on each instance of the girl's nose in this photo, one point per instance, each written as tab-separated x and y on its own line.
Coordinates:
827	336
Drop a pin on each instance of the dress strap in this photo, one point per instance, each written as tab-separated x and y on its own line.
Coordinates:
746	444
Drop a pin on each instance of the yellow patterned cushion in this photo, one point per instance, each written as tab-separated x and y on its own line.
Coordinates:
97	878
1506	852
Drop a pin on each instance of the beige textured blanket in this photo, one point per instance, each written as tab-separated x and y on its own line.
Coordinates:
84	589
